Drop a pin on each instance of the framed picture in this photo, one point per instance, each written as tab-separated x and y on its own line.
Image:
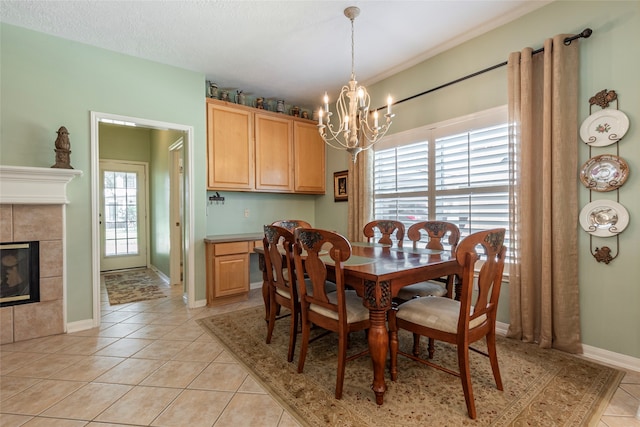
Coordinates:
340	186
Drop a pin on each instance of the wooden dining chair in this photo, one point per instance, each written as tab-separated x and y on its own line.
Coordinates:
435	232
341	311
291	224
386	228
280	273
463	322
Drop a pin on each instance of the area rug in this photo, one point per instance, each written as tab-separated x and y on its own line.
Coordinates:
135	285
541	387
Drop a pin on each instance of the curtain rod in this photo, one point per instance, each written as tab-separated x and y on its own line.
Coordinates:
586	33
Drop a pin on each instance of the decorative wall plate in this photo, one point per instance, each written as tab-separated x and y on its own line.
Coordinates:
604	173
604	218
604	127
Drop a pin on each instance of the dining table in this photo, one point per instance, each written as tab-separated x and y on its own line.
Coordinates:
377	272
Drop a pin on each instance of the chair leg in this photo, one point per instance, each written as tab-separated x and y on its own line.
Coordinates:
432	347
465	378
306	331
493	358
416	345
393	347
342	358
293	332
273	308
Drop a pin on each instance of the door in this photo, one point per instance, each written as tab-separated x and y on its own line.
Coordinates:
176	206
123	218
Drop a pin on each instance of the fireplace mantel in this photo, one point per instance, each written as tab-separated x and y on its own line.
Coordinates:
32	185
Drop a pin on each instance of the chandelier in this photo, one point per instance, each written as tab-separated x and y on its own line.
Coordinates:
357	128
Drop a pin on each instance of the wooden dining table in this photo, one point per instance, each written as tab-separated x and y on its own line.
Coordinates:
377	272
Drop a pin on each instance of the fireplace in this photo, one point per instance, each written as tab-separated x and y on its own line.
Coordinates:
32	229
19	273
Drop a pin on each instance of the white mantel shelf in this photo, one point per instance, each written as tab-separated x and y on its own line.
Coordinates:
35	186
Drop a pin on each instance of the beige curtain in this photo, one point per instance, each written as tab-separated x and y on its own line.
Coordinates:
360	195
543	280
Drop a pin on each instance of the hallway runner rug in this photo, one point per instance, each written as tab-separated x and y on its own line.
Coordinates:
135	285
541	387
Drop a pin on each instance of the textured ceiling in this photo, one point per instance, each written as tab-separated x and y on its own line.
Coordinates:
294	50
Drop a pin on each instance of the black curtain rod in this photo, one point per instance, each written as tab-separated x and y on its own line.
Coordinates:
567	41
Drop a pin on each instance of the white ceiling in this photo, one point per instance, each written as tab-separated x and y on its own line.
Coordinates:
292	50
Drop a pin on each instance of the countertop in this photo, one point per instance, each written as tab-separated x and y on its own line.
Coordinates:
224	238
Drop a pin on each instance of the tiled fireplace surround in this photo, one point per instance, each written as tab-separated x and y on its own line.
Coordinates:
21	223
32	203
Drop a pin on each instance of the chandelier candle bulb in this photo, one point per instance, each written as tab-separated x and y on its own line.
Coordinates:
320	117
389	101
375	120
326	102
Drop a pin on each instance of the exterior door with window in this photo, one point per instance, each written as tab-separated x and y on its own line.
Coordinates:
123	217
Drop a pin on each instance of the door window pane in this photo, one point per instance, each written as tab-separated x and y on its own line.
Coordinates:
120	213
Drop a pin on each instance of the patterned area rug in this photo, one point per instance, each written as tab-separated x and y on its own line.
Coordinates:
135	285
541	387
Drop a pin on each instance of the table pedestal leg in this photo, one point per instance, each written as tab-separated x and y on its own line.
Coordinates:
378	345
377	298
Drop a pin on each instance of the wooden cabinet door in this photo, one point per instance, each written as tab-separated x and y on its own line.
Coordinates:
231	275
274	153
309	159
229	148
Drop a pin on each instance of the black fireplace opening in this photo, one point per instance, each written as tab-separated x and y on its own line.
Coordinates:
19	273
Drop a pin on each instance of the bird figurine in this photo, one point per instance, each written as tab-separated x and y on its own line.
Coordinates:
63	152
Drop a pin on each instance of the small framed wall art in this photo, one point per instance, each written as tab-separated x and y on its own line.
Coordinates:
340	186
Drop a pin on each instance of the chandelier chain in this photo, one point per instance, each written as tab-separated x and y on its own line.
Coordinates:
353	51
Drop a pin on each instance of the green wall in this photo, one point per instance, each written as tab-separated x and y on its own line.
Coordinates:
124	143
48	82
610	59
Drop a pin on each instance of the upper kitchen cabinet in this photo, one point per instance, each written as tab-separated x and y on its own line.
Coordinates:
230	164
250	149
274	152
308	158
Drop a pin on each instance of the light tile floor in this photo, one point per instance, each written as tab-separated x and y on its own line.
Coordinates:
150	364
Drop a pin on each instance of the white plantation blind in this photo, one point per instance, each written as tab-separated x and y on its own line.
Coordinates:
456	171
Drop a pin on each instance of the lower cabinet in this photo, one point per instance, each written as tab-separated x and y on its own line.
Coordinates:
227	272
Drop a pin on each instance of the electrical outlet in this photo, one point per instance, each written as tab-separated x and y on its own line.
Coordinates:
246	213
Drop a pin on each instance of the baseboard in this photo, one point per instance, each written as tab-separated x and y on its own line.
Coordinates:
255	285
160	273
200	303
593	353
80	325
610	358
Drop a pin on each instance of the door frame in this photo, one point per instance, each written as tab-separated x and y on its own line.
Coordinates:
189	210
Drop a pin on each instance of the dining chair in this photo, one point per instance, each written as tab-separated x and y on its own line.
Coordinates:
435	232
463	322
341	311
281	281
386	228
291	224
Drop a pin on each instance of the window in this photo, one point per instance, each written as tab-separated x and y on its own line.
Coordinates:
457	171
